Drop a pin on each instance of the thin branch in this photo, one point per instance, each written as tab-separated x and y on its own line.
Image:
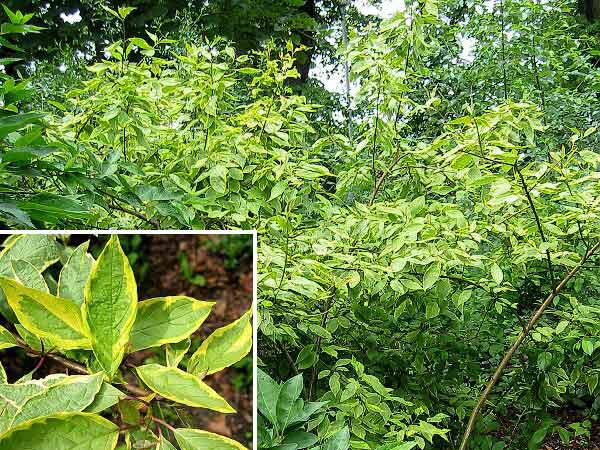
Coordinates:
376	129
346	69
76	367
520	338
383	176
318	346
504	78
163	423
538	223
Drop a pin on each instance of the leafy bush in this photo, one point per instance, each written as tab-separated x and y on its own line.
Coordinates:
87	322
284	415
428	263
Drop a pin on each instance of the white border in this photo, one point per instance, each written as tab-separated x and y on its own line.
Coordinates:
199	232
255	343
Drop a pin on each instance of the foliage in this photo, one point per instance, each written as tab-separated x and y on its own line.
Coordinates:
88	321
405	242
283	415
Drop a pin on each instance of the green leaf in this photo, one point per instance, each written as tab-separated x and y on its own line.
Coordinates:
107	396
218	179
47	316
588	345
163	444
26	274
110	303
592	381
334	383
182	387
339	441
307	357
266	396
301	439
74	274
125	11
537	438
63	431
224	347
544	360
39	250
53	208
432	309
16	122
190	439
3	378
165	320
278	189
111	11
289	392
349	391
320	331
432	274
497	274
37	398
7	340
175	352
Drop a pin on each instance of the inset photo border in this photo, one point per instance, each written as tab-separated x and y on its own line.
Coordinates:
143	338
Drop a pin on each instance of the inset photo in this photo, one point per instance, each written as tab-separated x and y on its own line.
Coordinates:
126	341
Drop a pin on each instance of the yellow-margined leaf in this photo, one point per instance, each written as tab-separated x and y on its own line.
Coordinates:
163	444
224	347
7	340
26	274
63	432
182	387
74	274
54	394
175	352
167	320
190	439
47	316
107	396
110	303
38	249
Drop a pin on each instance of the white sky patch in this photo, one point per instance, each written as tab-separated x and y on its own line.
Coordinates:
71	18
468	49
332	77
386	10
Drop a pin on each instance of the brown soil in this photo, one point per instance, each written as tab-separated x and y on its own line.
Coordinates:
232	291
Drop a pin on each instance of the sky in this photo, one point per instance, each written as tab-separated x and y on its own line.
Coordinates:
332	78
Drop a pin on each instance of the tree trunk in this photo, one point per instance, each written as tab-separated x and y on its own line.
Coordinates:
307	39
590	9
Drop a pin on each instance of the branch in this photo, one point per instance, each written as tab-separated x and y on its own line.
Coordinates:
383	177
376	129
520	338
538	223
117	206
76	367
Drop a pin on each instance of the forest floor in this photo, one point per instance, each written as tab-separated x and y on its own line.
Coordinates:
160	256
564	417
